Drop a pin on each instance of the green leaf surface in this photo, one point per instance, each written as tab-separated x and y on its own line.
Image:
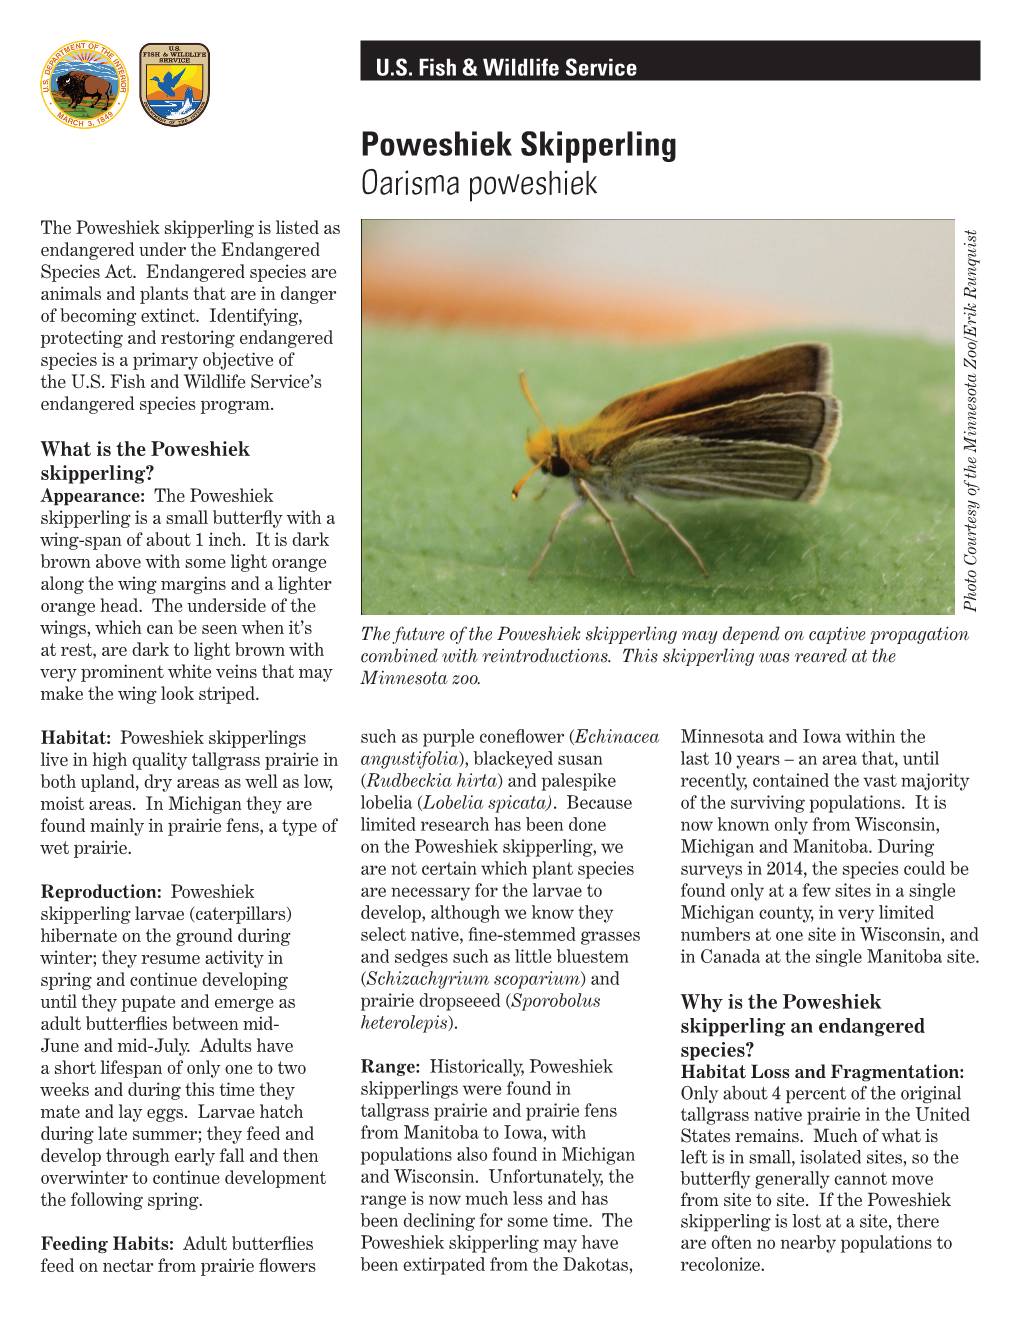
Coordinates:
443	429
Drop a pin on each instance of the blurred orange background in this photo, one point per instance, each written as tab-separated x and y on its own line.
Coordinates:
662	280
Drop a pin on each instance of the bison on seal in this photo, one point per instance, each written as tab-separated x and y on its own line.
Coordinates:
78	84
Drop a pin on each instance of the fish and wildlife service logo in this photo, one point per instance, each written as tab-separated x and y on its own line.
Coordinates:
173	81
84	84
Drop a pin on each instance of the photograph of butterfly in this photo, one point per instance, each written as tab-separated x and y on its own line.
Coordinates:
720	490
758	428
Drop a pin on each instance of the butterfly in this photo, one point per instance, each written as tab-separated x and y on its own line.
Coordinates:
757	428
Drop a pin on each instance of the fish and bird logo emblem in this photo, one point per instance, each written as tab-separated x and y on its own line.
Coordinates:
173	82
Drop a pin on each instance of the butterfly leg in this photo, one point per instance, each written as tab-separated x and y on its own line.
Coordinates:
587	490
666	523
571	508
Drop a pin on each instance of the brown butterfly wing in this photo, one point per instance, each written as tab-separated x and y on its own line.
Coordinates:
806	421
792	369
692	467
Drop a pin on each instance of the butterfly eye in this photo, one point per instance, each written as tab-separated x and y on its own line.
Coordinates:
558	467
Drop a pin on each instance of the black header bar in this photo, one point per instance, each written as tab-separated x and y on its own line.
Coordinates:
670	61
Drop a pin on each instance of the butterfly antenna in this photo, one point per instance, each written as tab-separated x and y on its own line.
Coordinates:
517	489
527	395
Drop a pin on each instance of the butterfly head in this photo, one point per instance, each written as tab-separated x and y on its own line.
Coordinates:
543	448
